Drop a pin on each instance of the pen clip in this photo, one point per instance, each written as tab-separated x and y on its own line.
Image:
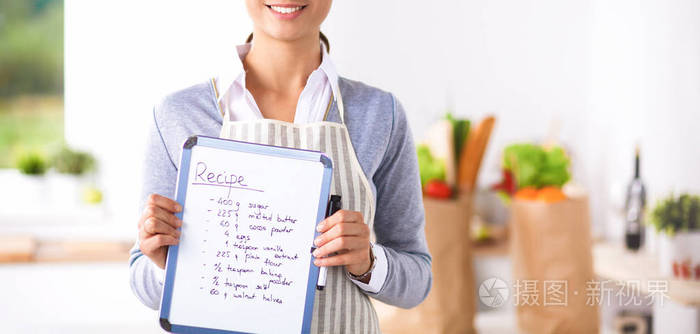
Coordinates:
333	205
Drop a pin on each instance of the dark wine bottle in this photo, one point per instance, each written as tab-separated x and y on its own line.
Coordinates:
634	209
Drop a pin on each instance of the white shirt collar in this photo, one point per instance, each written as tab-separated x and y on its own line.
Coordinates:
234	74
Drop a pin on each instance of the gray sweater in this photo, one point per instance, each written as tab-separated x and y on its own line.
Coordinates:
383	142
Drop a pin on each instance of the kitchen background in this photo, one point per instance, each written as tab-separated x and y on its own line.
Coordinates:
601	77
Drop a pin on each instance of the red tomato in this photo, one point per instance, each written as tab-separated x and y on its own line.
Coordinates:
438	189
507	183
676	269
685	269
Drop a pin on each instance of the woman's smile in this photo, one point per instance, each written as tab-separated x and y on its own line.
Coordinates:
288	11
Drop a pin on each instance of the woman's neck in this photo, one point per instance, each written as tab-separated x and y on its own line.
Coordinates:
281	67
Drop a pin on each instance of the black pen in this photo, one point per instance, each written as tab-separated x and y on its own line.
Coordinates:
333	206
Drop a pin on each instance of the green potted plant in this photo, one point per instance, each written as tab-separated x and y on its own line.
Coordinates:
68	161
677	220
31	187
72	176
31	163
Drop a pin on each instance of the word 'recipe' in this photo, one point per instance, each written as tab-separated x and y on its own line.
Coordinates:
220	179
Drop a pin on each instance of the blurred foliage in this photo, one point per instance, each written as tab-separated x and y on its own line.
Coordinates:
31	77
30	123
676	214
68	161
32	163
31	40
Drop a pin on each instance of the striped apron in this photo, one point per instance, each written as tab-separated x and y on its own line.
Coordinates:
341	307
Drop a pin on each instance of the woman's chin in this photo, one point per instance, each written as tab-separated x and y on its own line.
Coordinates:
288	33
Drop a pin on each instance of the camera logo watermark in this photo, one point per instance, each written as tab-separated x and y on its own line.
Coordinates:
493	292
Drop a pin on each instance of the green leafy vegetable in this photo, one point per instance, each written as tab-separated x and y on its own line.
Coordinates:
555	169
534	166
460	131
429	166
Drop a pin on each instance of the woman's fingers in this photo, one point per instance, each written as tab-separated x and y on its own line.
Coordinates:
156	226
151	244
345	234
341	216
152	211
164	202
342	229
158	218
342	244
358	256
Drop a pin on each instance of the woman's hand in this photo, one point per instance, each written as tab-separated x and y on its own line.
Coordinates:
344	232
158	228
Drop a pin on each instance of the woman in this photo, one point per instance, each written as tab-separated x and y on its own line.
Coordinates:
282	89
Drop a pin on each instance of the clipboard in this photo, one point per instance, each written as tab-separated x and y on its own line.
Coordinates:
177	312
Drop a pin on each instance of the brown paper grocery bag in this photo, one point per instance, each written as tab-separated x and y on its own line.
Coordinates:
450	305
551	244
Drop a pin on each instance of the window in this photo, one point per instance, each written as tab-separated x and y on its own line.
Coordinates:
31	78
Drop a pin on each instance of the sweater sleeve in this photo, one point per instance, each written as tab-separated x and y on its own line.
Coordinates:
400	219
159	176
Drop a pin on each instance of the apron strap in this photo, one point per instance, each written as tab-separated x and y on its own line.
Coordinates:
339	103
216	95
341	109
